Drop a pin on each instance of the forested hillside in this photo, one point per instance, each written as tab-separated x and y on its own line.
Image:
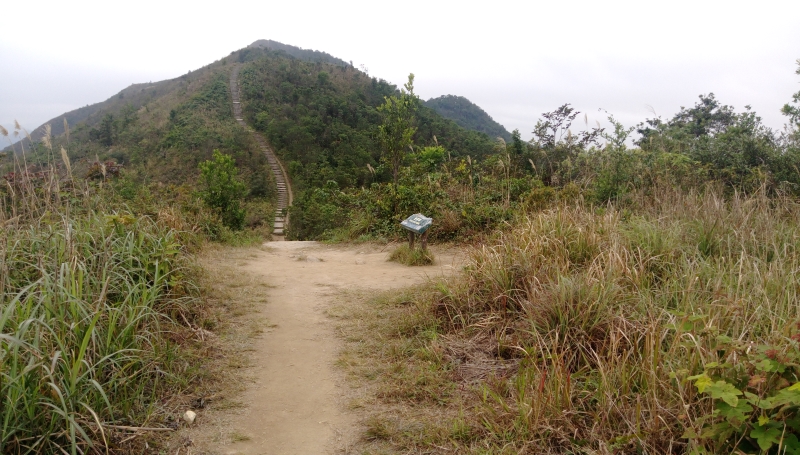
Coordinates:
322	119
159	136
166	93
468	115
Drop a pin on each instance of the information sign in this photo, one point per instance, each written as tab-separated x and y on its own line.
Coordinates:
417	223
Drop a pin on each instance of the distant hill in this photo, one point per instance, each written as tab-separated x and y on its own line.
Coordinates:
138	95
467	115
318	112
158	131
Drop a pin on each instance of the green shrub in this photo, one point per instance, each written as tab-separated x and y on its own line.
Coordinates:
754	394
222	190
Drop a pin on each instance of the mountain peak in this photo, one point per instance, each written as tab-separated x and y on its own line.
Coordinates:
297	52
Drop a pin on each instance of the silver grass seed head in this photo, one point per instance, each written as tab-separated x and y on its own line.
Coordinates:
65	158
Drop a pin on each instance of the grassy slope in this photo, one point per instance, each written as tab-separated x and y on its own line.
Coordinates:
160	138
136	95
95	299
161	131
576	329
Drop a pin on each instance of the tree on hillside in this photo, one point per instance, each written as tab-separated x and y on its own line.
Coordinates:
736	147
792	110
556	148
517	146
104	133
222	190
396	133
708	117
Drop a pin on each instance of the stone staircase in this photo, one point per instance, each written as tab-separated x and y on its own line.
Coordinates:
281	178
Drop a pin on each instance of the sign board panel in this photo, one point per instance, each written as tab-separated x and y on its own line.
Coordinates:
417	223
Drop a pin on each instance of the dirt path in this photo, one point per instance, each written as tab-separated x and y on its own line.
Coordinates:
296	402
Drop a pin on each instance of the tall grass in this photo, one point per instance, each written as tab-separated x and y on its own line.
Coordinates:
579	329
599	307
87	296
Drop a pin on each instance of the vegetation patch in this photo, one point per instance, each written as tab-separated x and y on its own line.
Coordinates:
92	309
583	330
103	328
411	256
628	294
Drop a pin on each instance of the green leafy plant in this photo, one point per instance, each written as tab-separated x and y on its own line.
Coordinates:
792	110
755	394
222	190
396	133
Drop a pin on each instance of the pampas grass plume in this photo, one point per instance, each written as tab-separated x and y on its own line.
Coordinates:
46	137
65	158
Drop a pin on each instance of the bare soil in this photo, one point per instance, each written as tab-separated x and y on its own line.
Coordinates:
284	394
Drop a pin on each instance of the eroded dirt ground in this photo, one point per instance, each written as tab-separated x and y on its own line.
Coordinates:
290	397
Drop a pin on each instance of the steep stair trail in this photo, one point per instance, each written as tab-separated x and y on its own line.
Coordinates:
281	178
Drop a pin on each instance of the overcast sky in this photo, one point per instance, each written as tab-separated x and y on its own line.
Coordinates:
515	59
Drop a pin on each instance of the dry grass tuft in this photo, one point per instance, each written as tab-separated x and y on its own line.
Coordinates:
407	256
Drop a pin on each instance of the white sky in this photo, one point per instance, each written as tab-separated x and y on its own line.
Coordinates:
515	59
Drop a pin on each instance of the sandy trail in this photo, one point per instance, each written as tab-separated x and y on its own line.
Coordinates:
295	404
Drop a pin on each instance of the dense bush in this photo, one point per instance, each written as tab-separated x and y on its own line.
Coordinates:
221	189
708	144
